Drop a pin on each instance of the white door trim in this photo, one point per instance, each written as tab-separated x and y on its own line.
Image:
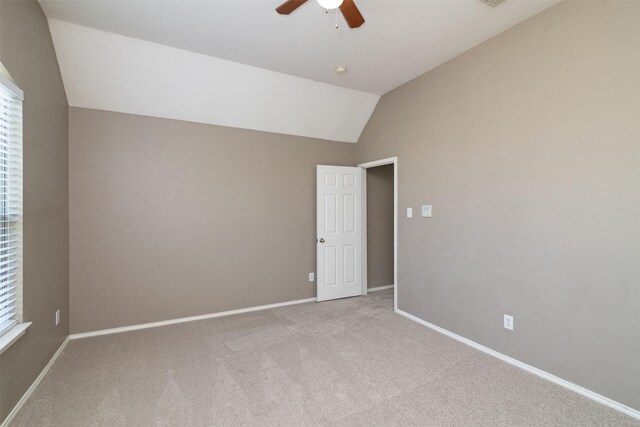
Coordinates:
388	161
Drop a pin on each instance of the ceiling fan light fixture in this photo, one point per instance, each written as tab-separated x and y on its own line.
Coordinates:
348	8
330	4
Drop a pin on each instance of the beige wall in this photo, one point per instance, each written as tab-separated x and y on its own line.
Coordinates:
172	219
27	53
528	147
380	226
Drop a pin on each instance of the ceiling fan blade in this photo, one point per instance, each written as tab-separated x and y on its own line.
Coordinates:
289	6
351	14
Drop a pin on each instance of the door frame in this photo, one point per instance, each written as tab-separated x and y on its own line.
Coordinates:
363	253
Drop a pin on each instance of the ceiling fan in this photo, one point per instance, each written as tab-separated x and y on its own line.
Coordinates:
348	8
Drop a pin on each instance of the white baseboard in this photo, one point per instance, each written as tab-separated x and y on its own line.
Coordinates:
200	317
539	372
380	288
187	319
33	386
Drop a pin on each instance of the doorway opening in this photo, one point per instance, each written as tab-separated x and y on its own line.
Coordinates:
380	226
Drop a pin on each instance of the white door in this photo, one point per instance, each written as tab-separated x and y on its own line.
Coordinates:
339	231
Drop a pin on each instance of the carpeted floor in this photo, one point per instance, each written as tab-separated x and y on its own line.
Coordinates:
345	362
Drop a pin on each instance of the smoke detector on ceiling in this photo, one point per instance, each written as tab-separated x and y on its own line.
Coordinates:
493	3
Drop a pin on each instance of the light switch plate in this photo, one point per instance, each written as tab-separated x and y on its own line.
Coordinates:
409	212
312	277
426	211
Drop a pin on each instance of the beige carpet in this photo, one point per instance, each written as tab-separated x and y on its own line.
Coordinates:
346	362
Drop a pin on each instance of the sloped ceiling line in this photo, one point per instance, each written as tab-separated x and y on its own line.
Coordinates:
111	72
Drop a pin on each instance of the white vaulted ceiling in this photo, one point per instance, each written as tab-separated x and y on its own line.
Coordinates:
238	63
110	72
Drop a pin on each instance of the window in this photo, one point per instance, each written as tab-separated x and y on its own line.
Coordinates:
10	205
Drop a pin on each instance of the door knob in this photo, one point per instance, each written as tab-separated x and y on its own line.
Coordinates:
321	240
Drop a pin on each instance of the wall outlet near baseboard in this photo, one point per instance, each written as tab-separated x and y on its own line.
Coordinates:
508	322
312	277
57	317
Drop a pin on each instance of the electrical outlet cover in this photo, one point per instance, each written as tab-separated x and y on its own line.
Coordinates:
508	322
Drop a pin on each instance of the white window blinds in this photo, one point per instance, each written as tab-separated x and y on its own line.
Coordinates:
10	205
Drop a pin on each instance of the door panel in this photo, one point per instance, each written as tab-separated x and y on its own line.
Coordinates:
339	231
